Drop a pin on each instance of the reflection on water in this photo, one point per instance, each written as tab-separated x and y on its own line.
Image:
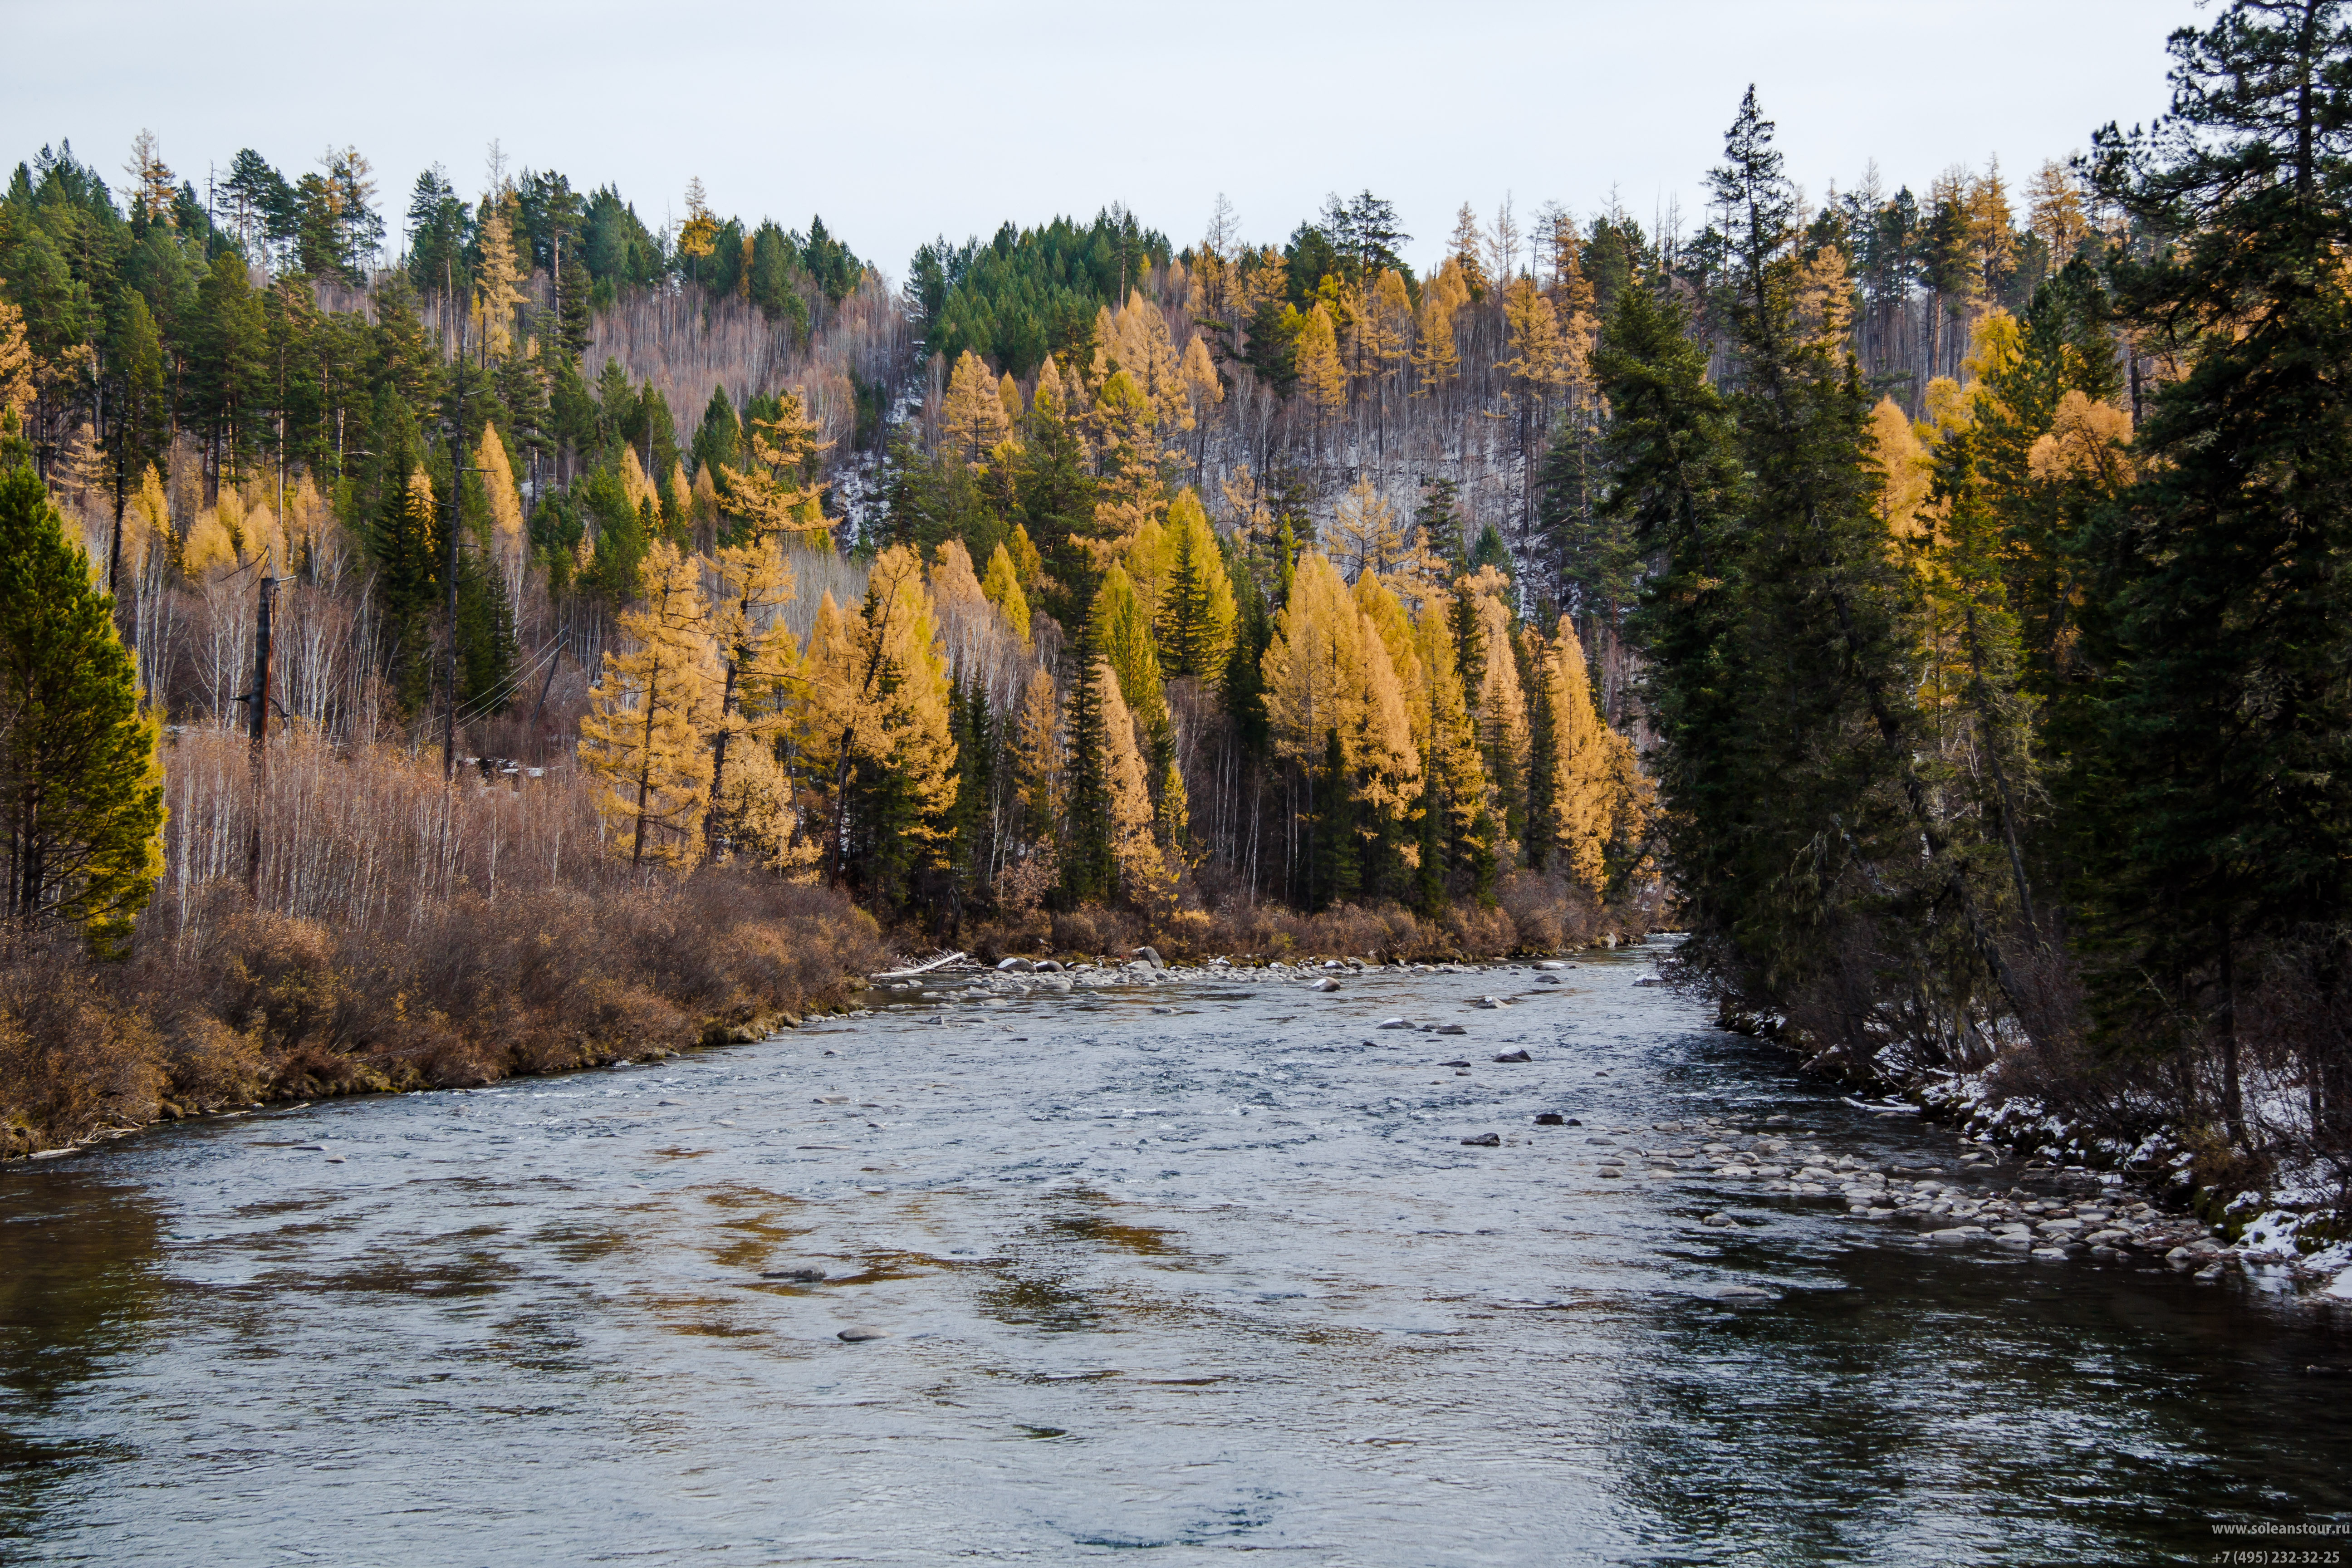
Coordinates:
1233	1283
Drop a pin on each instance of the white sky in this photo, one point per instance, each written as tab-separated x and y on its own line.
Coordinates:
903	120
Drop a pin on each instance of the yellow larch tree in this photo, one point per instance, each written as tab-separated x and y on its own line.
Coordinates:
1499	703
1132	482
1824	302
1904	467
1001	588
1364	532
643	737
1320	372
1142	871
878	695
1387	323
15	358
1142	344
770	490
2087	440
1436	357
1008	397
498	281
1532	330
1194	616
1584	762
510	545
1453	751
971	413
758	662
1038	758
2055	213
638	484
1326	672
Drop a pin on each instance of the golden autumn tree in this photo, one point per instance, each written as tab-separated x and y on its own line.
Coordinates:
1498	702
971	413
498	280
877	728
1141	870
1328	681
510	544
1364	533
1037	758
1132	483
1904	467
771	491
643	737
15	358
1320	373
759	660
1583	763
1436	357
1195	614
1001	588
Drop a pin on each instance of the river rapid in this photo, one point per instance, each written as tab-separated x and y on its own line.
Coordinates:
1200	1268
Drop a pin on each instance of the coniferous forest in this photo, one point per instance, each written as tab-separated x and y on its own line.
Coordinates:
475	630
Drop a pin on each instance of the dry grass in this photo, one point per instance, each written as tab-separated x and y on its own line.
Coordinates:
1533	913
409	935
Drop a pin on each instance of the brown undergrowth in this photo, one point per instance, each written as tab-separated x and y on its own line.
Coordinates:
1532	912
408	935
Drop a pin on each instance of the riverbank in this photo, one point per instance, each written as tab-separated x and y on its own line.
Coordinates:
263	1009
1184	1264
2199	1208
266	1007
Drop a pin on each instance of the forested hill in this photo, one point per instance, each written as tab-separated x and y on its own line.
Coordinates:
1926	594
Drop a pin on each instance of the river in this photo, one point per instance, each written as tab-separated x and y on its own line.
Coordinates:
1203	1269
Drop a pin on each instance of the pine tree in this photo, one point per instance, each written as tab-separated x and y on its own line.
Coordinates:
643	735
2218	791
79	779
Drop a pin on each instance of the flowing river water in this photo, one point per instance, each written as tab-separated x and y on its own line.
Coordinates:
1198	1269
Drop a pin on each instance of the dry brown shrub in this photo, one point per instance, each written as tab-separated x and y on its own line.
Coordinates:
74	1054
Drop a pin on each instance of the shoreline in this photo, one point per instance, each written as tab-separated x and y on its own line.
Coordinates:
2213	1227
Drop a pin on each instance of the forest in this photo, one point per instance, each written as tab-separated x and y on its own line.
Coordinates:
1926	599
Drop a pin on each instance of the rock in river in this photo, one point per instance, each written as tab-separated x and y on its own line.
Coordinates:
1550	1119
1326	984
1485	1141
861	1334
1519	1056
1441	1028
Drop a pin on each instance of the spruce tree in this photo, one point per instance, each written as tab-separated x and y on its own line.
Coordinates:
80	781
2220	790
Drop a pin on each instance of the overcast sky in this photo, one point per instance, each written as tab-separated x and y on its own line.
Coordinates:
899	121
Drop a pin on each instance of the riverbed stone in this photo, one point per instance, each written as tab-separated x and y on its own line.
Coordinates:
1720	1221
2051	1253
1484	1140
1517	1055
1326	984
859	1333
1441	1028
1549	1119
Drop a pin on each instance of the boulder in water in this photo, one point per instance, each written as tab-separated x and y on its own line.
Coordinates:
1015	966
1445	1029
1549	1119
861	1334
1326	984
1517	1055
1485	1141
